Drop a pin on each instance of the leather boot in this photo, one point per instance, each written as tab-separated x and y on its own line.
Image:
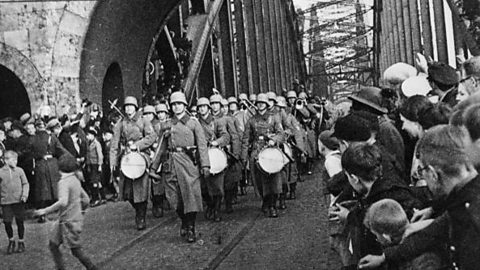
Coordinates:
191	236
216	210
265	202
273	207
157	208
184	226
292	195
142	208
282	204
228	201
11	247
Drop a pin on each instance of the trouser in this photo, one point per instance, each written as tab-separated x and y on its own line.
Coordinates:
20	228
77	252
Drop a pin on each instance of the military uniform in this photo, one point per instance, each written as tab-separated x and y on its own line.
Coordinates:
258	131
158	185
138	131
215	129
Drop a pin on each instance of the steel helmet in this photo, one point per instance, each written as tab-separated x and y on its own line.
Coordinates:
149	109
292	94
281	102
272	96
178	97
224	102
131	101
302	95
252	98
215	99
161	108
233	100
203	101
262	98
242	96
193	109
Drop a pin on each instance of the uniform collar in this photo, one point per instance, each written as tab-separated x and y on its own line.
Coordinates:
183	120
207	120
135	117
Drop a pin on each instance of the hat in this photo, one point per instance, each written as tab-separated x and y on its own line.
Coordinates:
302	95
92	130
370	96
25	118
203	101
53	123
149	109
252	97
281	102
242	96
224	102
330	142
262	97
399	72
161	108
232	100
272	96
442	73
292	94
67	163
417	85
215	99
351	128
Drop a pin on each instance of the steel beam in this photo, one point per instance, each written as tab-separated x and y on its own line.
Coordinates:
285	35
275	51
426	28
227	70
251	47
261	52
440	31
267	37
415	26
401	30
407	32
243	85
281	45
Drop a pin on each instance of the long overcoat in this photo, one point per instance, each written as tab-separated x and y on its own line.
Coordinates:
46	148
233	173
139	131
181	174
158	186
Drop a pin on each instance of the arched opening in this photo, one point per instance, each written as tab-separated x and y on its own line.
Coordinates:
112	87
14	99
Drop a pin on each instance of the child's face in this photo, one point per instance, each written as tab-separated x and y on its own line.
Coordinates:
11	161
383	239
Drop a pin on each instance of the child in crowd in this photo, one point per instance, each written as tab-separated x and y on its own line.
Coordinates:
71	204
13	195
387	220
94	167
108	178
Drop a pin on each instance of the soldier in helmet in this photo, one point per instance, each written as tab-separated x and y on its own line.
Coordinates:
186	160
215	130
263	130
133	133
234	171
291	98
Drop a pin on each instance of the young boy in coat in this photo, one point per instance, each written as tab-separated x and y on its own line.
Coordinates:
387	220
71	204
14	190
94	167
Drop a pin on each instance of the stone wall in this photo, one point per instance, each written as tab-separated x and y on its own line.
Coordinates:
61	50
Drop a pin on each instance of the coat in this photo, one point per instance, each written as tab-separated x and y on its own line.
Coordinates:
233	173
140	132
458	226
158	187
46	168
181	175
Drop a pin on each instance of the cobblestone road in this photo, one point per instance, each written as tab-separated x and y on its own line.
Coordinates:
243	240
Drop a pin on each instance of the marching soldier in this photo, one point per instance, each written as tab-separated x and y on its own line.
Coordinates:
158	117
180	168
291	99
133	133
234	171
216	135
294	136
263	130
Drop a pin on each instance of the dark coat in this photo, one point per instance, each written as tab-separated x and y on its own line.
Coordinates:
363	241
389	136
46	168
458	226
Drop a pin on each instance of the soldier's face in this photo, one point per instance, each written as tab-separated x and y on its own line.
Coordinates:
291	101
203	110
162	115
130	110
148	116
233	107
216	107
178	108
261	106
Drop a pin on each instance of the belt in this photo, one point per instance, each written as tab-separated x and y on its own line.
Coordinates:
45	157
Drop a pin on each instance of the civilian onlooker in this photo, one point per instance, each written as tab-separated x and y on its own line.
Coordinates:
14	190
72	201
94	165
469	81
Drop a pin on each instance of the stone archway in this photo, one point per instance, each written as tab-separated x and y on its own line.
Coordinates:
13	96
112	87
27	74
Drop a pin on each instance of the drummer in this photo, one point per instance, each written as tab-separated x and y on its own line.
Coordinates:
133	133
217	136
234	171
263	130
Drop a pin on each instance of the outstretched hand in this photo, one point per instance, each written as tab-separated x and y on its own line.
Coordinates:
371	261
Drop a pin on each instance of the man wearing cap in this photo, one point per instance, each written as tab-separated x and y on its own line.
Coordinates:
215	130
133	133
234	171
291	99
444	81
46	149
263	130
294	136
369	100
187	159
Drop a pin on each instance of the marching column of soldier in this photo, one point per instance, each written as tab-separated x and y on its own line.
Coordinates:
191	161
